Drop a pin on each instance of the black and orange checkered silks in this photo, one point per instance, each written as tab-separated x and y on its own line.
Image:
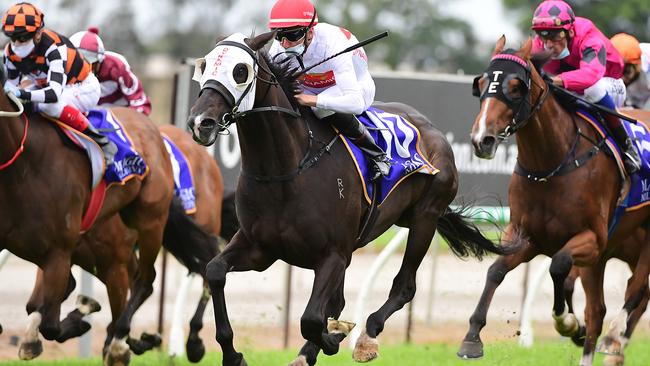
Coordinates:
22	18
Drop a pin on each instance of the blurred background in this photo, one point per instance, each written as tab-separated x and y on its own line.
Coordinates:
432	36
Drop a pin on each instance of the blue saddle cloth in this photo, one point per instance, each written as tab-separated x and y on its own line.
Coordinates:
400	140
128	163
639	194
183	183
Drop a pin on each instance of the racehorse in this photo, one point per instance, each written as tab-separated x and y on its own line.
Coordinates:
307	209
44	190
562	195
107	250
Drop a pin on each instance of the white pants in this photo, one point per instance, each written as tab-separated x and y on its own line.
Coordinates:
83	96
614	87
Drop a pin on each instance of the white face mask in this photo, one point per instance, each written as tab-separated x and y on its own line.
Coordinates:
565	52
296	50
24	49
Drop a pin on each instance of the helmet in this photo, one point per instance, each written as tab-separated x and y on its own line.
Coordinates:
628	47
89	44
22	19
292	13
553	14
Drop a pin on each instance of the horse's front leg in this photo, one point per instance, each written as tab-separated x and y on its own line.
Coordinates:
54	284
582	249
195	348
239	255
472	346
328	277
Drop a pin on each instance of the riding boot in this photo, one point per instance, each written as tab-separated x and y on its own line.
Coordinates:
631	158
350	126
72	117
108	147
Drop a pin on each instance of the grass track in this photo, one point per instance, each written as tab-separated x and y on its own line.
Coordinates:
551	353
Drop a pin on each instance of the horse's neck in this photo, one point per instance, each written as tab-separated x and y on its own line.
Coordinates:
11	133
272	144
546	140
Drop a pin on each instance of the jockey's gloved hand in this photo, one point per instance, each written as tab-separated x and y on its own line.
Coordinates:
11	88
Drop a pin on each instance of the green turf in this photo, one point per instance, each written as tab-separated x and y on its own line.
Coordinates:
557	353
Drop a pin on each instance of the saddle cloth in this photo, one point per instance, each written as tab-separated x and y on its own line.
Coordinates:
183	184
401	141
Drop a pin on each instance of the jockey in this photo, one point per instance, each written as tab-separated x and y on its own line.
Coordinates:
338	89
119	86
61	84
584	61
636	74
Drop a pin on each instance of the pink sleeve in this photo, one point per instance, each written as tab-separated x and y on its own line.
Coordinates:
593	59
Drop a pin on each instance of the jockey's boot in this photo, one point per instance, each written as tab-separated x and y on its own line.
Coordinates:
631	158
72	117
350	126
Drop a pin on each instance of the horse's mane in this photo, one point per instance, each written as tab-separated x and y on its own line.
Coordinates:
540	59
285	75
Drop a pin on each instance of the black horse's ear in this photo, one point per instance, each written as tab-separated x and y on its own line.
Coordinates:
259	41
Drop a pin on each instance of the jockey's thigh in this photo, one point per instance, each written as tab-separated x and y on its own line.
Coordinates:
614	87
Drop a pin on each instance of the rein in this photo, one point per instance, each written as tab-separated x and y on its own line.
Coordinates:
234	115
20	111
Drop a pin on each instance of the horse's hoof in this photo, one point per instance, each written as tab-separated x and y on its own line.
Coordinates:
0	328
366	349
299	361
195	349
609	346
339	326
566	324
614	360
155	340
470	350
121	359
30	350
87	305
579	338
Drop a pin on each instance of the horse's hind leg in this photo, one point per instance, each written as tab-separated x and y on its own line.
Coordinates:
239	255
592	281
421	233
194	346
309	351
472	346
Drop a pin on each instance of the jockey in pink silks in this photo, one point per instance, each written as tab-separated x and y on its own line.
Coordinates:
584	61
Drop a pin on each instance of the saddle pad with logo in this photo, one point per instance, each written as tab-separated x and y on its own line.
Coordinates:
400	140
183	184
128	163
639	193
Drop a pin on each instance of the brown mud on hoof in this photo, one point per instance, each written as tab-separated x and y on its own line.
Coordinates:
299	361
30	350
609	346
335	326
614	360
87	305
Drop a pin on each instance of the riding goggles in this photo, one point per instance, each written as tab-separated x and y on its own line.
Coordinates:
292	35
551	35
22	37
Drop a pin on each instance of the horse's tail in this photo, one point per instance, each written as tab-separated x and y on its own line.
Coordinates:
229	221
193	246
464	237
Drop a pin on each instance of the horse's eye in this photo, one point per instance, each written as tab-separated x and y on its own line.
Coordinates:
240	73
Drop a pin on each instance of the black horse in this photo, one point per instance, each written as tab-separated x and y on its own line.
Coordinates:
299	198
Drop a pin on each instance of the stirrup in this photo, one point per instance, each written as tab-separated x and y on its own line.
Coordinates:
631	162
380	168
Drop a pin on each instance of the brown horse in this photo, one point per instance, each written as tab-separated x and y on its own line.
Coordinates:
561	197
44	190
107	251
290	205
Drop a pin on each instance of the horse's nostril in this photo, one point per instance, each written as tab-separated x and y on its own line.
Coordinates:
488	141
207	123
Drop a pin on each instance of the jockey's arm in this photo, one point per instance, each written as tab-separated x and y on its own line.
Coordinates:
13	75
56	78
351	98
593	60
132	90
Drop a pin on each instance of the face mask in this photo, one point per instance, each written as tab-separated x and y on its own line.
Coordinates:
23	50
297	50
563	54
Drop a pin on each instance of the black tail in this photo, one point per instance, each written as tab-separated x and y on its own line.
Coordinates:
229	221
464	237
187	241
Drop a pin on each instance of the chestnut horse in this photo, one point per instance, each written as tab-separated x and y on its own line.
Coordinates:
562	196
290	205
44	191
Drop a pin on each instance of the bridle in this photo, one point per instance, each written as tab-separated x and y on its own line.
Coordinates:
522	106
17	113
231	117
